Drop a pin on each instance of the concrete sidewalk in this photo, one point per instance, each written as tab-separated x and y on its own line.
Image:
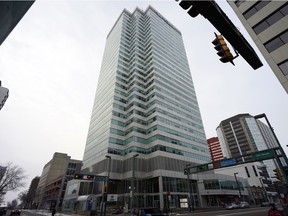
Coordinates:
48	212
174	212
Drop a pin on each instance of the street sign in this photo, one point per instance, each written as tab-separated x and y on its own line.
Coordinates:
201	168
100	178
263	155
254	156
228	162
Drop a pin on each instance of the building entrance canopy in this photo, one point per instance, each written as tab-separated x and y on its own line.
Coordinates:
86	198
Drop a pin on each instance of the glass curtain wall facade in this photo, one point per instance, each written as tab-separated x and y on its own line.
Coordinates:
145	104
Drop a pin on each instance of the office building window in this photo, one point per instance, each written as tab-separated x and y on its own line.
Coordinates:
284	10
256	7
239	2
255	172
271	19
284	67
277	42
247	172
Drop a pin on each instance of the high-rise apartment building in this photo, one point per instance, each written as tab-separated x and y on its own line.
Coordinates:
243	134
145	111
215	149
267	23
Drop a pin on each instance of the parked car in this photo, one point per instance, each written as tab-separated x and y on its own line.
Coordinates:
243	205
231	206
118	211
264	204
15	212
150	212
3	211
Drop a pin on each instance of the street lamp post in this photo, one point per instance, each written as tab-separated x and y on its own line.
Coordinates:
132	183
263	188
104	198
238	186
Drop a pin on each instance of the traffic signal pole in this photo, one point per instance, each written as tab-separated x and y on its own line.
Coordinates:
216	16
279	145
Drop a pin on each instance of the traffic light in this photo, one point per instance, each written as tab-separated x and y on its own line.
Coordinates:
211	11
193	11
278	174
78	176
223	50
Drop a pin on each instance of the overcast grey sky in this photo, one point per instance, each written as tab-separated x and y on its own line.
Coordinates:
51	62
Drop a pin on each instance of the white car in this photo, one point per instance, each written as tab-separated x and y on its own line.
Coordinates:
231	206
244	205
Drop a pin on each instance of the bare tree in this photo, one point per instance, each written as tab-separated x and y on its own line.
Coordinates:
12	178
22	197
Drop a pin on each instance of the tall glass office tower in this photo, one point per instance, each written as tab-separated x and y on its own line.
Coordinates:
145	117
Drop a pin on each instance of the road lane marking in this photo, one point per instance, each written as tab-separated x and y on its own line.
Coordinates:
238	213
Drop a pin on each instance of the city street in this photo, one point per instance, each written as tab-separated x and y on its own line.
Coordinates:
257	211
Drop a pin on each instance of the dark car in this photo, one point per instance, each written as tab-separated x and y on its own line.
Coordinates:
15	212
118	211
3	211
264	204
150	212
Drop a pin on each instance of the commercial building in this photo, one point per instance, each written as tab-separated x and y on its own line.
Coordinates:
259	188
145	117
11	12
215	149
32	191
267	24
209	190
242	134
52	184
79	193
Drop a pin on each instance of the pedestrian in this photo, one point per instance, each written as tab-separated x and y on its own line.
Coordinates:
53	212
273	211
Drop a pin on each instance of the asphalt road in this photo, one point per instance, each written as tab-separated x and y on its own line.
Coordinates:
257	211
